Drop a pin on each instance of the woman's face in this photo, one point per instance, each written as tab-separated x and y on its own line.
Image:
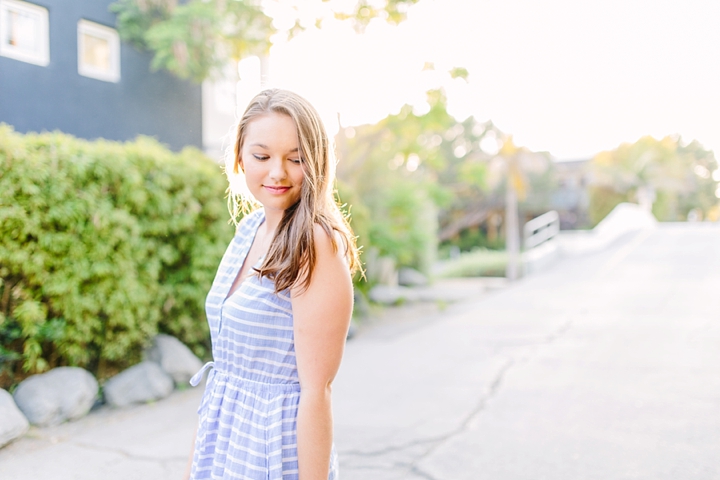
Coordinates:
272	161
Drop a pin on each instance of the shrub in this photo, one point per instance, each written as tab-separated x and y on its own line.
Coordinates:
102	245
404	224
477	263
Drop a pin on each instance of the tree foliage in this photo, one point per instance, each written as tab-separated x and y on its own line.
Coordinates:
103	245
412	170
427	177
196	38
677	175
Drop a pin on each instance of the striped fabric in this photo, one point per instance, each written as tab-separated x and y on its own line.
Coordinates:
248	413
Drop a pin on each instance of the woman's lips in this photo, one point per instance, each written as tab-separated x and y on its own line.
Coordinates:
276	190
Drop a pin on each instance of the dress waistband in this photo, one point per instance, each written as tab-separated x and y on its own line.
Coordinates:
250	384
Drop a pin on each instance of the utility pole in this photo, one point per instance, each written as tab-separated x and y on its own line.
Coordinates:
515	187
512	232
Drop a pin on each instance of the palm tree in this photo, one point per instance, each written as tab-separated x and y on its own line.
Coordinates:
516	189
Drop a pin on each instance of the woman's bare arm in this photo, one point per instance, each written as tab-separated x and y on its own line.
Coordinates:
188	468
321	319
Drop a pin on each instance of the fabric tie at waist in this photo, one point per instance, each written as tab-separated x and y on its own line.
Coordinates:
195	380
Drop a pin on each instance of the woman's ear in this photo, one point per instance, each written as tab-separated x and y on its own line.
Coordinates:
239	165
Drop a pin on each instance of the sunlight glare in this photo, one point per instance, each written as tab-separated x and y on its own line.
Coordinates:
558	83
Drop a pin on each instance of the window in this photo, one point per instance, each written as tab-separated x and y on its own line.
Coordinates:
24	32
98	51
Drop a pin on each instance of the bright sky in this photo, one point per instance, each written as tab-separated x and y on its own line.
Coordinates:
565	76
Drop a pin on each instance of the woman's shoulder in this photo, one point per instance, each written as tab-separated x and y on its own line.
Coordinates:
329	243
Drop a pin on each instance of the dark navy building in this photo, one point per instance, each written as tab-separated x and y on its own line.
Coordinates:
63	67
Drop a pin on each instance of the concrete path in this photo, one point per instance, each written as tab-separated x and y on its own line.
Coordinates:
147	442
605	367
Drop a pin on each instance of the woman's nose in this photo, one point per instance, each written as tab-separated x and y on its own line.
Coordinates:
277	170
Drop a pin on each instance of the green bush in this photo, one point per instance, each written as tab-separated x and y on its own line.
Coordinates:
102	245
478	263
404	224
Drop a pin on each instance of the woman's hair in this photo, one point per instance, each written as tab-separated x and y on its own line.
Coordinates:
291	257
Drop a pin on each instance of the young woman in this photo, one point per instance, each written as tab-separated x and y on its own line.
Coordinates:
280	305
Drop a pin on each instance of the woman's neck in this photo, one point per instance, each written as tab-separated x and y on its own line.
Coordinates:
272	220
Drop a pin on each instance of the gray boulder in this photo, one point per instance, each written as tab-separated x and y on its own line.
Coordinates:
388	295
387	274
63	393
174	357
141	383
409	277
12	422
361	307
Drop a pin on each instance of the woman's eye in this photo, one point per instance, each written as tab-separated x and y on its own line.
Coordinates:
296	160
260	157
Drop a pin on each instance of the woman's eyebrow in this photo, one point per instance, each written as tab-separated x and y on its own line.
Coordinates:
262	145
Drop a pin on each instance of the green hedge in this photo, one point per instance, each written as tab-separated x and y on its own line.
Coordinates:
102	245
480	262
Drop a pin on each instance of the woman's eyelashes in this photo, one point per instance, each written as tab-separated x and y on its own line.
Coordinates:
262	158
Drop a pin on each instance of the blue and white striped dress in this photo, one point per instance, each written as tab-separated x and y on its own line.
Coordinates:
248	413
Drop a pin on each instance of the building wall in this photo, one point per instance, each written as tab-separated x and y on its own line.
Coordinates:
219	107
572	198
56	97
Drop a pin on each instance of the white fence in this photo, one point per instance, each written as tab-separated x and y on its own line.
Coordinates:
541	229
538	236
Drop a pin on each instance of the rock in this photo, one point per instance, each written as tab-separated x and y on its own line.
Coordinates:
409	277
141	383
451	290
387	273
361	307
380	270
387	295
63	393
174	357
352	330
12	422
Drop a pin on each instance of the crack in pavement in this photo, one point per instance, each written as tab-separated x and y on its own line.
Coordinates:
432	443
550	338
162	461
492	391
391	449
420	473
562	330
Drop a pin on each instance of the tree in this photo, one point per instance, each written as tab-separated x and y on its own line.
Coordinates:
196	38
414	171
668	176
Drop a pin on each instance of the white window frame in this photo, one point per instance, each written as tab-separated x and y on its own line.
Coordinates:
41	57
111	35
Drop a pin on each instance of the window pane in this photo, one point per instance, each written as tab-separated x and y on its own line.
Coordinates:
96	52
23	31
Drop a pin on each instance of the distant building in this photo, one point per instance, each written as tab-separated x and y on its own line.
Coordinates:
63	67
572	197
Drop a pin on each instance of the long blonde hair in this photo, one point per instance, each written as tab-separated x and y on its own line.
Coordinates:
291	256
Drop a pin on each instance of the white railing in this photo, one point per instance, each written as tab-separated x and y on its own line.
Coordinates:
541	229
541	250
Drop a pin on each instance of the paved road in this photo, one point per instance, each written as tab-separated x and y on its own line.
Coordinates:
604	367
